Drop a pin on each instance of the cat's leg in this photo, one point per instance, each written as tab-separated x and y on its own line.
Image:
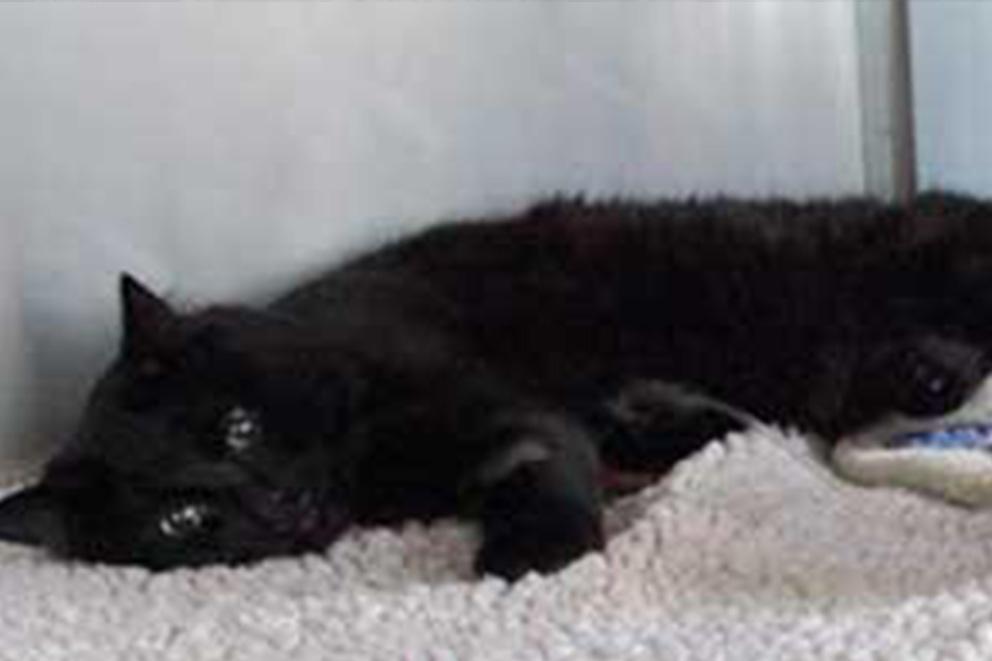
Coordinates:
537	496
923	376
649	425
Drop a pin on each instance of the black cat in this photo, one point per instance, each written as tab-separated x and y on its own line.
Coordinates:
492	369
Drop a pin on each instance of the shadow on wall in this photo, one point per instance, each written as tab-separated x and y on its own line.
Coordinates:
216	149
17	383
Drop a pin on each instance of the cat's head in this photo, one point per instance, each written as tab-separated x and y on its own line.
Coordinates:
217	436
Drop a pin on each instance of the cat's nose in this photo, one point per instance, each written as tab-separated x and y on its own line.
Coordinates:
283	510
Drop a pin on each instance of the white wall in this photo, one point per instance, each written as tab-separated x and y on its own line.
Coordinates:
220	148
952	62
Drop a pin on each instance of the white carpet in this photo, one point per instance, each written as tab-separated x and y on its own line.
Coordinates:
752	550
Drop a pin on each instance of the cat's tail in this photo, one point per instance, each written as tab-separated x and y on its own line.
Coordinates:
649	425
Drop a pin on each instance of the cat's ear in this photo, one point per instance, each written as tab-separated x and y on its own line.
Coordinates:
149	325
33	516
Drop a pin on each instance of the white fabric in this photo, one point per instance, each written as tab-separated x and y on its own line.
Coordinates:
750	550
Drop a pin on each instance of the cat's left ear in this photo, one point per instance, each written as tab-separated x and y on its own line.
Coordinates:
150	326
33	516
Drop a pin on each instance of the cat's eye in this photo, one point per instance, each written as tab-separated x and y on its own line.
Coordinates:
186	519
241	429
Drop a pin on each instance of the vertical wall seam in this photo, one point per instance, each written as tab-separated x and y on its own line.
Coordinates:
885	85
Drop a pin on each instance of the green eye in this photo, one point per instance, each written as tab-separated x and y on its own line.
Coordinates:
241	429
186	519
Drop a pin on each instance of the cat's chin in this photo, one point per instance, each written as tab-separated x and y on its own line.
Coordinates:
319	532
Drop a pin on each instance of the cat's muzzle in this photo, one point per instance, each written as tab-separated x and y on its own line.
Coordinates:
304	517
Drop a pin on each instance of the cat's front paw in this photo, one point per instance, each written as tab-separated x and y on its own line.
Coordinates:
512	555
540	517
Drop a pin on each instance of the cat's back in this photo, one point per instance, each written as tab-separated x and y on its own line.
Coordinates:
571	291
572	233
707	255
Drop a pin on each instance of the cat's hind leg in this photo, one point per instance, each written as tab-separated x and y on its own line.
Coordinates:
924	376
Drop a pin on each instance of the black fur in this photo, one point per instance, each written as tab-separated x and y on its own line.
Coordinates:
488	368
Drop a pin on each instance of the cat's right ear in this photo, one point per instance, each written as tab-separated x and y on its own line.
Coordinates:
149	325
33	516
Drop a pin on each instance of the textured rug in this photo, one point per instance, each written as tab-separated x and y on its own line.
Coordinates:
750	550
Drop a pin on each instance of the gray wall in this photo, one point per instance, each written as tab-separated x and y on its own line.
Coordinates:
952	61
17	386
220	149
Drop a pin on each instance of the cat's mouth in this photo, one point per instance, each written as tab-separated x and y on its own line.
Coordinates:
305	517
